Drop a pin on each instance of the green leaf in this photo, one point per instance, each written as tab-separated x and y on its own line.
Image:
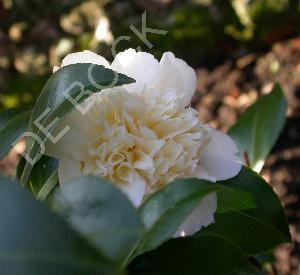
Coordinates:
8	114
167	209
34	241
256	229
11	131
48	187
206	254
101	213
52	104
258	129
43	178
40	174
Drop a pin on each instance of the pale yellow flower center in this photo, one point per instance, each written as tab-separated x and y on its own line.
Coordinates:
144	138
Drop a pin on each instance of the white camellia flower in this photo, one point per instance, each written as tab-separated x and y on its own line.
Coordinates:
144	135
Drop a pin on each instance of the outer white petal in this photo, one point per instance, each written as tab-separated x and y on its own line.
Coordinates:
134	190
202	215
174	73
141	66
84	57
75	142
68	169
220	158
200	173
124	59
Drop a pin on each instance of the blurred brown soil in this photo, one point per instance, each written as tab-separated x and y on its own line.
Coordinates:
225	92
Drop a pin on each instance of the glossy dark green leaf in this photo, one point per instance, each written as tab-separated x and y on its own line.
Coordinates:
202	255
101	213
49	186
34	241
11	131
257	229
41	172
43	178
166	210
258	129
78	81
7	115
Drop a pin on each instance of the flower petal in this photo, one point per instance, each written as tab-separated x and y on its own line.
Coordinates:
84	57
68	169
134	189
175	74
200	173
202	215
141	66
75	142
220	158
142	161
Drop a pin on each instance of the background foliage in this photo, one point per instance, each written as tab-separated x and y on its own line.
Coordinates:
238	41
35	34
